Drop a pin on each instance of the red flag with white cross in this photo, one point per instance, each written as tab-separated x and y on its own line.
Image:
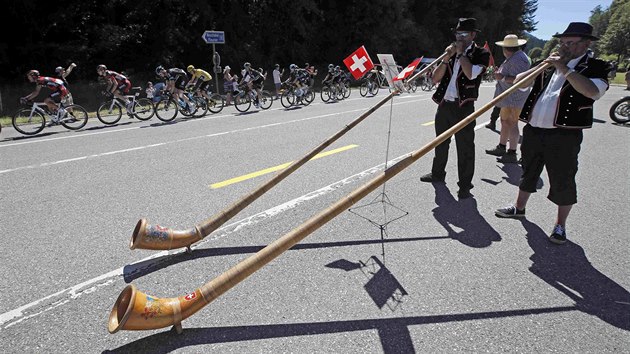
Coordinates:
359	63
408	70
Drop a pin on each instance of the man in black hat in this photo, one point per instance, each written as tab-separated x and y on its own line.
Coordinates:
558	107
459	76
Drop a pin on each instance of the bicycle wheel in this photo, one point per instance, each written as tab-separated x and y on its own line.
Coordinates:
187	110
166	110
309	97
242	102
109	113
620	111
27	122
346	90
216	103
76	117
287	99
202	106
266	100
374	88
364	89
325	94
143	109
413	86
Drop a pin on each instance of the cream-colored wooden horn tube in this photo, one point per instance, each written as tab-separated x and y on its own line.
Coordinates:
155	237
135	310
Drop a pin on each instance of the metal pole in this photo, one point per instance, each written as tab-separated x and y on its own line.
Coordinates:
216	74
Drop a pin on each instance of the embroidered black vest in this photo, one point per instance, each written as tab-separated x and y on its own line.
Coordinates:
574	110
467	90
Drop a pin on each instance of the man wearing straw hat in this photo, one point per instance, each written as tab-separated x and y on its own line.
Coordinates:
459	76
558	107
516	62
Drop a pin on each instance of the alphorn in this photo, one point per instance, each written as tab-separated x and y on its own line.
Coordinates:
135	310
155	237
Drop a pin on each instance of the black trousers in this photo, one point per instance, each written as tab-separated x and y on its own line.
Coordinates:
448	114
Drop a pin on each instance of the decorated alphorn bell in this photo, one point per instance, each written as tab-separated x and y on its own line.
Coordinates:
135	310
155	237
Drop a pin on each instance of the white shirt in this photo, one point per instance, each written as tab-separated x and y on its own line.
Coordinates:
451	90
276	76
544	113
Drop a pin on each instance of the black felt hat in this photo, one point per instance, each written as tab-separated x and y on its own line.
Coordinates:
578	29
466	25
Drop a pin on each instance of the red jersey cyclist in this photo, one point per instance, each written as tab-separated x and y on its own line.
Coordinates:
117	84
59	91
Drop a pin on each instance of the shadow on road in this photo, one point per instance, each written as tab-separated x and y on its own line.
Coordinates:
393	332
567	269
462	214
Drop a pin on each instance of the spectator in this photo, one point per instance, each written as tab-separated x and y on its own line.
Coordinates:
516	62
228	84
150	90
558	108
277	78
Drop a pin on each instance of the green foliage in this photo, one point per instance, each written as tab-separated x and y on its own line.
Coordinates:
616	39
535	54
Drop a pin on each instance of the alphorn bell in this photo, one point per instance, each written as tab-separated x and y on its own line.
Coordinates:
155	237
135	310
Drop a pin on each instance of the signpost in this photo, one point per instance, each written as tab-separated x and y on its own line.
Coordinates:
215	37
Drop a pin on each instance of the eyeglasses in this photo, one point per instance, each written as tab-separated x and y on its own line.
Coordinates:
462	34
569	43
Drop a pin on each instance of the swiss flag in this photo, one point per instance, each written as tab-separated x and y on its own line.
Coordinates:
359	63
408	70
491	58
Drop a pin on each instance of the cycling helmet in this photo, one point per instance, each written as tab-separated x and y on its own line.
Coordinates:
292	66
247	65
59	70
33	73
101	67
159	69
190	68
330	66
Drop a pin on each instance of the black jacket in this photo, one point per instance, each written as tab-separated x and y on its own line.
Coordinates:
467	90
574	110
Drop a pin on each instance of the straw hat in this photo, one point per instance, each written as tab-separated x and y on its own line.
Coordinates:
511	41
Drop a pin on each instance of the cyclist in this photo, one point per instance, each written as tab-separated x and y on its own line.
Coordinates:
330	75
57	87
118	85
176	80
253	79
298	78
62	74
200	80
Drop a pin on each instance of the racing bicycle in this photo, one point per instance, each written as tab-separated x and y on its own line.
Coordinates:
32	120
110	111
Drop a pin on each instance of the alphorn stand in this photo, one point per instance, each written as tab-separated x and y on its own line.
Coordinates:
382	199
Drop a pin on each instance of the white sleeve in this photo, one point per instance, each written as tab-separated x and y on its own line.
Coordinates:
602	86
476	70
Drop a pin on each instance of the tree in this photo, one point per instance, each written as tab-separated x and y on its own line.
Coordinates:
616	40
535	54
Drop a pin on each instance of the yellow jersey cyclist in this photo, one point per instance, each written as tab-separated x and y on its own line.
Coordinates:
200	80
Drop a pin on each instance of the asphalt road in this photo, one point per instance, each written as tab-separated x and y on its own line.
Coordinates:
448	276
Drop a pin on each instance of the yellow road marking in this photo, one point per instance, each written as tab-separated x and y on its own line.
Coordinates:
275	168
428	123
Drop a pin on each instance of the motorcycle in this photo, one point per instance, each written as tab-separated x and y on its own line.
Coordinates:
620	111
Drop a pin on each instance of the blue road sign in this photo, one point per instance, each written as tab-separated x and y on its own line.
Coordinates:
216	37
